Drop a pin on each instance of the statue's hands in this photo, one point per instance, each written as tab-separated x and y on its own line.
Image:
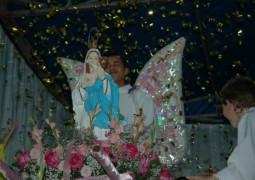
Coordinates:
87	79
100	72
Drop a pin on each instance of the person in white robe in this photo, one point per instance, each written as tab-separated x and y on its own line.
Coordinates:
238	103
131	100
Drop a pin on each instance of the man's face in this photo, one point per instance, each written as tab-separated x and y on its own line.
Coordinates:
230	112
117	70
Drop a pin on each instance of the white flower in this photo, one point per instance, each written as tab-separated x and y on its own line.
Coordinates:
35	154
86	171
61	166
24	176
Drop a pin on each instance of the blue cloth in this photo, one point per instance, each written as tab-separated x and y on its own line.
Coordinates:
109	104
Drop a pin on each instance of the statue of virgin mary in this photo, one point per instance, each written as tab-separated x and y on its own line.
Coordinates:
96	96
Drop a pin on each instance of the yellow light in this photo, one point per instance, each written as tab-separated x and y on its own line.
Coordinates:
150	12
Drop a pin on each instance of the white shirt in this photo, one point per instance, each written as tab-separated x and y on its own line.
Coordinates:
241	163
130	103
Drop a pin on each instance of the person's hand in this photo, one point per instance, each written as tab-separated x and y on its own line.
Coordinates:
203	177
13	127
7	136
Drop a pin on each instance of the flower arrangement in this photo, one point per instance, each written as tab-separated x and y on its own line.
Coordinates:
72	154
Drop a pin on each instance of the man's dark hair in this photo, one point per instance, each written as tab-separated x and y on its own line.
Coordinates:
241	90
121	56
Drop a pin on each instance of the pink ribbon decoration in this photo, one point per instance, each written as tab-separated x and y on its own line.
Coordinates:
66	168
7	172
123	176
106	163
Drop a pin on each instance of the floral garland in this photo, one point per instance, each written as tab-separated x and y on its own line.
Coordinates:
72	155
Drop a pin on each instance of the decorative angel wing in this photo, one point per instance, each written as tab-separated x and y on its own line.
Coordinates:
73	69
161	77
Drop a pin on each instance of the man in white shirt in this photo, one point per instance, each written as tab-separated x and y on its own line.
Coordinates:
131	100
238	102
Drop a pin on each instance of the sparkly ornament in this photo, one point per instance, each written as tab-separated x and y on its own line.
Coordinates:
161	77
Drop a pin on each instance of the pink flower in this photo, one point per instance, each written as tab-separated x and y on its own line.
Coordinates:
39	146
82	149
119	129
23	159
114	138
145	163
138	119
35	154
76	161
131	150
91	114
165	173
142	127
37	134
142	148
59	151
114	157
98	109
50	123
113	123
86	171
134	134
57	132
107	150
51	159
105	143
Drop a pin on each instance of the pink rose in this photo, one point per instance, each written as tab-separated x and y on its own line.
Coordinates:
76	161
145	163
107	150
131	150
23	159
165	173
51	159
86	171
83	149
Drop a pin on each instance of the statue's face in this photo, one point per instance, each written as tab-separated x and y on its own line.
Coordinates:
93	58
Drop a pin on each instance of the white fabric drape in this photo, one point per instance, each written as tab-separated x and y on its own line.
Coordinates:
22	95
